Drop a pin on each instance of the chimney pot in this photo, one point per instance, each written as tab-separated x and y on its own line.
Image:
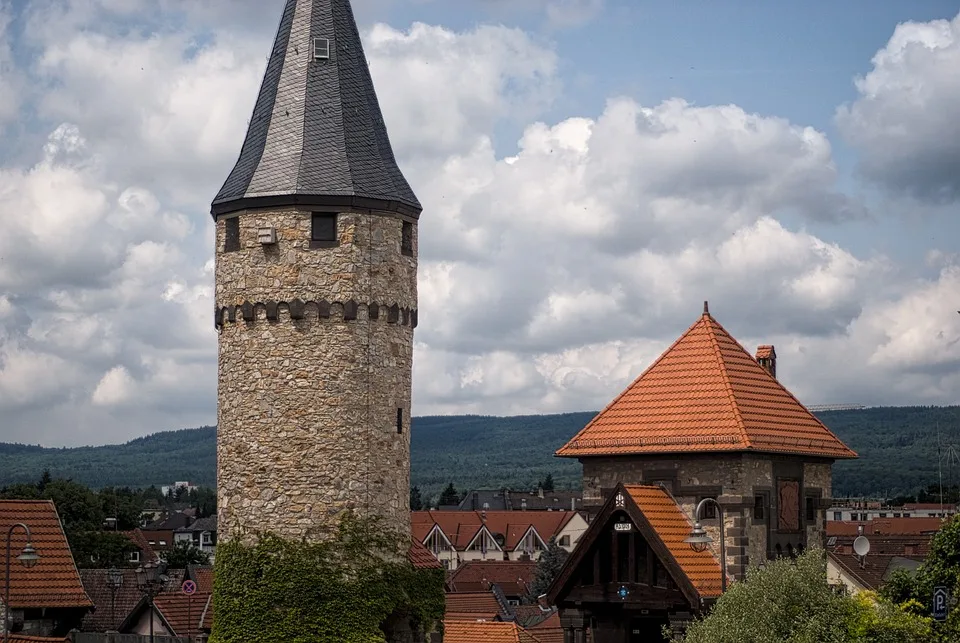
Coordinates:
767	358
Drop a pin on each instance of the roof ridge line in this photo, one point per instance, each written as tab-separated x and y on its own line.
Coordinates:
629	387
726	379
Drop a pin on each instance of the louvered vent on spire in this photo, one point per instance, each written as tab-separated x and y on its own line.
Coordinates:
317	135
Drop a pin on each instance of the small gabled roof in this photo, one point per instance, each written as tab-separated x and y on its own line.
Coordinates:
472	605
183	614
664	526
124	600
317	136
705	394
54	581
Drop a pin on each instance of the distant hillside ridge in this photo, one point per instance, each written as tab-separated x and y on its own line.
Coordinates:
897	448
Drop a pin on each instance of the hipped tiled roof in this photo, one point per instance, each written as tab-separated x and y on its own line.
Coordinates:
317	134
54	581
705	394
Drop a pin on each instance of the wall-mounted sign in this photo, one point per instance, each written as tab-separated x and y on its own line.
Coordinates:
622	526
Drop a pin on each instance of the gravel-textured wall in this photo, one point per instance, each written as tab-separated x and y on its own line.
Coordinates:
316	354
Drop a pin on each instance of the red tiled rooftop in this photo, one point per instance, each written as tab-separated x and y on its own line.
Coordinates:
460	527
892	526
705	393
122	602
23	638
513	577
421	557
672	526
485	632
480	603
549	630
202	575
54	580
183	613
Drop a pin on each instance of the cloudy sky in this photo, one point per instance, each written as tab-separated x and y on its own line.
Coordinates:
591	171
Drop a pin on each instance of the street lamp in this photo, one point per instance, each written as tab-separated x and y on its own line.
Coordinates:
28	558
151	580
114	582
699	540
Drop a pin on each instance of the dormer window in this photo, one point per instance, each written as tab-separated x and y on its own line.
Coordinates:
321	49
323	230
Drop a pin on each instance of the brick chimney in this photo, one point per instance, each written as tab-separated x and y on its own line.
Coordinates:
767	358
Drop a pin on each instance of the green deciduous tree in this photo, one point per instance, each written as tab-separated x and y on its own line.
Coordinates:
183	554
416	500
790	601
548	567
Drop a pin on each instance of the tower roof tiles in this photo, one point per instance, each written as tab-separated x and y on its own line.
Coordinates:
317	136
705	394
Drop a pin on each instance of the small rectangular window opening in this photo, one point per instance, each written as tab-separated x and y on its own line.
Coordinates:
709	510
323	230
759	507
231	228
406	239
321	49
399	421
811	509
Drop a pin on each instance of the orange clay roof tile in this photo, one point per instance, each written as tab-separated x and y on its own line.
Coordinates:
672	527
421	557
54	580
485	632
705	394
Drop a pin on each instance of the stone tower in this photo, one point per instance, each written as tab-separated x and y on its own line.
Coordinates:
316	295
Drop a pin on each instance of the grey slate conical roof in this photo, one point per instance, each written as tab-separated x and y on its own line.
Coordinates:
317	135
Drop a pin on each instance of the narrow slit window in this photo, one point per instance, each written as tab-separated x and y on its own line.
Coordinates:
399	421
709	509
406	239
323	230
231	240
811	509
759	507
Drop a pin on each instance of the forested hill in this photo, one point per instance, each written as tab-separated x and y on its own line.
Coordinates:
897	447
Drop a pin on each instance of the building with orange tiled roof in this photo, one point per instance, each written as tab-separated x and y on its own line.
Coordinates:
632	573
514	578
47	599
455	537
708	419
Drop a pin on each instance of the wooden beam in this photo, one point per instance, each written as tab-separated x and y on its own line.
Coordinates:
614	556
632	557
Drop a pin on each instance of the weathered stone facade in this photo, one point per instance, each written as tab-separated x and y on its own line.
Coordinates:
735	480
315	365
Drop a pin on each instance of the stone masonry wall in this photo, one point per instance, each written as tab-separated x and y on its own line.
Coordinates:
307	414
734	478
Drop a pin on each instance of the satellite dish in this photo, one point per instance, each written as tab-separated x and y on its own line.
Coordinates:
861	545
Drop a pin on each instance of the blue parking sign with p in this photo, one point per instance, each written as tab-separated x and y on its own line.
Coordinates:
941	599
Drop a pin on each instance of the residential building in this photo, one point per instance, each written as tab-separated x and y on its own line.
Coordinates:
112	603
488	605
705	421
145	553
888	553
866	511
888	526
47	599
509	500
201	533
455	537
178	487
